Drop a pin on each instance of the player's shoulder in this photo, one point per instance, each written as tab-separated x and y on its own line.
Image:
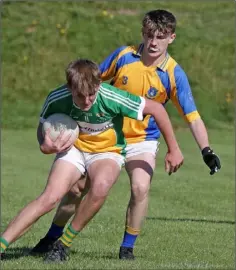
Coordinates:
172	66
123	50
60	90
111	92
106	88
59	93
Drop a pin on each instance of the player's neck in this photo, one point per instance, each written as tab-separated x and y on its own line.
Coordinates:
152	61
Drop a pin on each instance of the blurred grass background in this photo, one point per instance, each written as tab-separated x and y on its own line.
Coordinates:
39	39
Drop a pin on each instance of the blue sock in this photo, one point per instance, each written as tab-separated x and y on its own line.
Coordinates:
130	236
55	231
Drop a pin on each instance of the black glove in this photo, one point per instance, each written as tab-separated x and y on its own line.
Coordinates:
211	160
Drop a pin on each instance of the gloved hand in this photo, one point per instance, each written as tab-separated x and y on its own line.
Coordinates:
211	160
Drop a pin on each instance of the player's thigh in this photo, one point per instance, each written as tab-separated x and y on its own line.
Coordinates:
104	169
67	168
141	160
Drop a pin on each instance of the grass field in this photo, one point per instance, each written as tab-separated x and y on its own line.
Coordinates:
190	222
40	38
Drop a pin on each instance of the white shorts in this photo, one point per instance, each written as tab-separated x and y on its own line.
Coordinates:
83	160
134	149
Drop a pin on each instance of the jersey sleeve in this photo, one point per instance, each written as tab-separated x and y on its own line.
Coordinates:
181	96
108	66
123	103
47	109
56	102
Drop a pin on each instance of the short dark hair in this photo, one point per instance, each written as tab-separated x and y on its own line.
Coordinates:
161	20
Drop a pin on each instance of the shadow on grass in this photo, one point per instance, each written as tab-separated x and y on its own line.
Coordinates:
192	220
97	255
18	252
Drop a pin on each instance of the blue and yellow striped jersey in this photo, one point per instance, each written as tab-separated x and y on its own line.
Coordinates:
161	83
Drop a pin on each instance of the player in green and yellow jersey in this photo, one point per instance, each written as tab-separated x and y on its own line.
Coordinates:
99	110
100	128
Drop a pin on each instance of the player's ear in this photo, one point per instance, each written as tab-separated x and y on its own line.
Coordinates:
172	38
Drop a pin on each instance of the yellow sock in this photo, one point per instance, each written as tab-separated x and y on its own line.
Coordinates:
132	231
68	236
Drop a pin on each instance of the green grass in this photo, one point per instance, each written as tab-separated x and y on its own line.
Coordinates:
189	223
40	38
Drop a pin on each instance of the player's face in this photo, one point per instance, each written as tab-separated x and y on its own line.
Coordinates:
155	45
84	102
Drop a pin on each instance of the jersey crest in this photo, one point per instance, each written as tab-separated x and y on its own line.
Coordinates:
152	92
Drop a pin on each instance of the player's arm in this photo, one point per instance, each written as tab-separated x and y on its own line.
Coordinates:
126	104
46	144
162	119
199	132
132	106
183	99
174	158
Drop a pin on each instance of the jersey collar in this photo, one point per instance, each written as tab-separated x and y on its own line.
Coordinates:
162	66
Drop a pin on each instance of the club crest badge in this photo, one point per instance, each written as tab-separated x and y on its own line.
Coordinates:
152	93
100	114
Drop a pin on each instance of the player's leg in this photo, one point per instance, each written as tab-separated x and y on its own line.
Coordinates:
62	177
103	173
64	212
140	165
70	202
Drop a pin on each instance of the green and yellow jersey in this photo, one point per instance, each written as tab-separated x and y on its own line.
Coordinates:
100	126
161	83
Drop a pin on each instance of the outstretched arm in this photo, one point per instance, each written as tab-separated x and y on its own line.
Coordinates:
199	132
181	96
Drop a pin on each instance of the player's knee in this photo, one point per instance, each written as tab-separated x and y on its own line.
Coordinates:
100	190
140	190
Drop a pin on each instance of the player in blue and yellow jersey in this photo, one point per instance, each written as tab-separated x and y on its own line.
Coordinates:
149	71
99	110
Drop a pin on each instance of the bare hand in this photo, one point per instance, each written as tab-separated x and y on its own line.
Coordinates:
173	160
62	143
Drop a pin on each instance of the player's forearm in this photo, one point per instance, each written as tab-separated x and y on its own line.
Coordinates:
163	122
167	131
199	132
